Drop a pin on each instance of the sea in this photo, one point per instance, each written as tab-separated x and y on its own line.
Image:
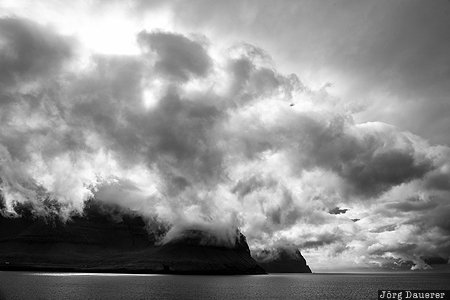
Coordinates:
38	285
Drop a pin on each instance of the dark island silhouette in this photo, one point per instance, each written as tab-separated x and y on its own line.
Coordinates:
283	260
108	239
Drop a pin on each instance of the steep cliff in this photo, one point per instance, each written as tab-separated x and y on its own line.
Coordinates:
282	260
102	241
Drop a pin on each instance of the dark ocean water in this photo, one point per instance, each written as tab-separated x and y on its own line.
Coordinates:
30	285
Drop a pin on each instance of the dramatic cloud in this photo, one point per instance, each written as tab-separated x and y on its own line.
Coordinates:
177	56
337	211
387	60
28	52
200	134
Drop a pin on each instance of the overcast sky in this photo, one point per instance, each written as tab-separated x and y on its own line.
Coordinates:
322	125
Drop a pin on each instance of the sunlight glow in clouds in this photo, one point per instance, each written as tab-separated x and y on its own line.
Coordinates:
109	34
102	29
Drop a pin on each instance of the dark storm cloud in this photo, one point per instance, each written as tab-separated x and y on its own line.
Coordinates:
382	171
390	227
368	157
249	185
185	131
250	83
32	58
369	164
103	99
337	211
438	180
254	76
29	52
285	214
438	218
178	57
363	165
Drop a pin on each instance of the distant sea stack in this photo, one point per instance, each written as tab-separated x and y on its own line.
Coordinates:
282	260
104	240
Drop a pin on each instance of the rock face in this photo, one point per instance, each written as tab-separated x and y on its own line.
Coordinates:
283	260
98	242
187	253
